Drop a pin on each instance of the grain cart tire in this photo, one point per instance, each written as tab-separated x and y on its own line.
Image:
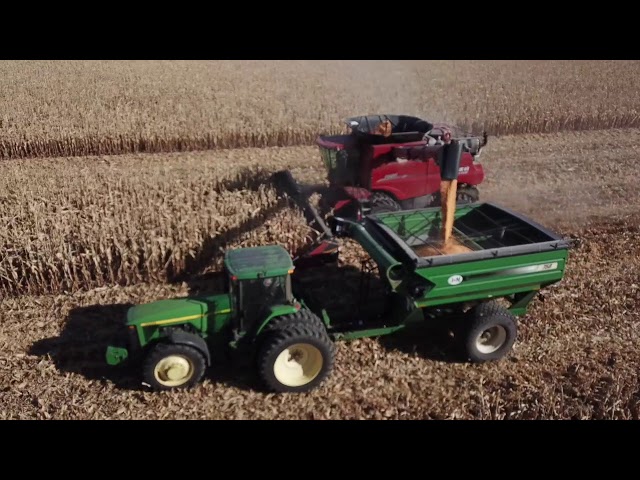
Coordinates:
170	366
490	334
296	358
381	202
467	195
301	317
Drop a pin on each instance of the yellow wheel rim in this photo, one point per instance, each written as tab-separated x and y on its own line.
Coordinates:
298	365
174	370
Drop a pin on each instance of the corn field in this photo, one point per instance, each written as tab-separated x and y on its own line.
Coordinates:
80	108
82	223
121	217
103	219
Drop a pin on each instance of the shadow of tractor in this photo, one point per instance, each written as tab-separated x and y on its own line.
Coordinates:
81	347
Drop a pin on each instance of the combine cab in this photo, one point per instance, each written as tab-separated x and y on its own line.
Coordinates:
393	162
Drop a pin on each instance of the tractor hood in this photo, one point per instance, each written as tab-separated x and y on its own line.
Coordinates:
178	310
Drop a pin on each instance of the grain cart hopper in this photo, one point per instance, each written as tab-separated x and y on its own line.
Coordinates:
288	332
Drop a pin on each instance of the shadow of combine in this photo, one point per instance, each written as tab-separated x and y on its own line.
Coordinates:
347	295
245	179
430	342
213	246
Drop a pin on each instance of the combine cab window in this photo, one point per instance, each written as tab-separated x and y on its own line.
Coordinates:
341	165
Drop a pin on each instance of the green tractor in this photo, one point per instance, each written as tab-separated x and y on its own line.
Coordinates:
174	337
288	331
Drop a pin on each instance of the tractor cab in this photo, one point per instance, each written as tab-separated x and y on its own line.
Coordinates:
259	279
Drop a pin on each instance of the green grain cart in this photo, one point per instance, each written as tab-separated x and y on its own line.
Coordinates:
289	335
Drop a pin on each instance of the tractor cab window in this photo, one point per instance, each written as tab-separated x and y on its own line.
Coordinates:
265	290
257	295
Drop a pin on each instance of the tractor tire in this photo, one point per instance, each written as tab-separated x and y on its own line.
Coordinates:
296	358
490	335
467	195
302	317
381	202
171	366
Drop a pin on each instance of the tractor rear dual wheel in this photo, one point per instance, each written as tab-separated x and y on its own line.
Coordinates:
381	202
464	195
296	358
301	317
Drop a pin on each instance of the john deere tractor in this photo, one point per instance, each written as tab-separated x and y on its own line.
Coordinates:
258	314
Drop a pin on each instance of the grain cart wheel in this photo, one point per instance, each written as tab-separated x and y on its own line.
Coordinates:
296	358
171	365
381	202
490	334
467	195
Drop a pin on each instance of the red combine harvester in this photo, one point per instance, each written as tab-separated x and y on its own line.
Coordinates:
392	163
387	163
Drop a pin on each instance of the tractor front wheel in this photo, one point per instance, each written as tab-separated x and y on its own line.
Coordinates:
170	366
296	358
490	334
